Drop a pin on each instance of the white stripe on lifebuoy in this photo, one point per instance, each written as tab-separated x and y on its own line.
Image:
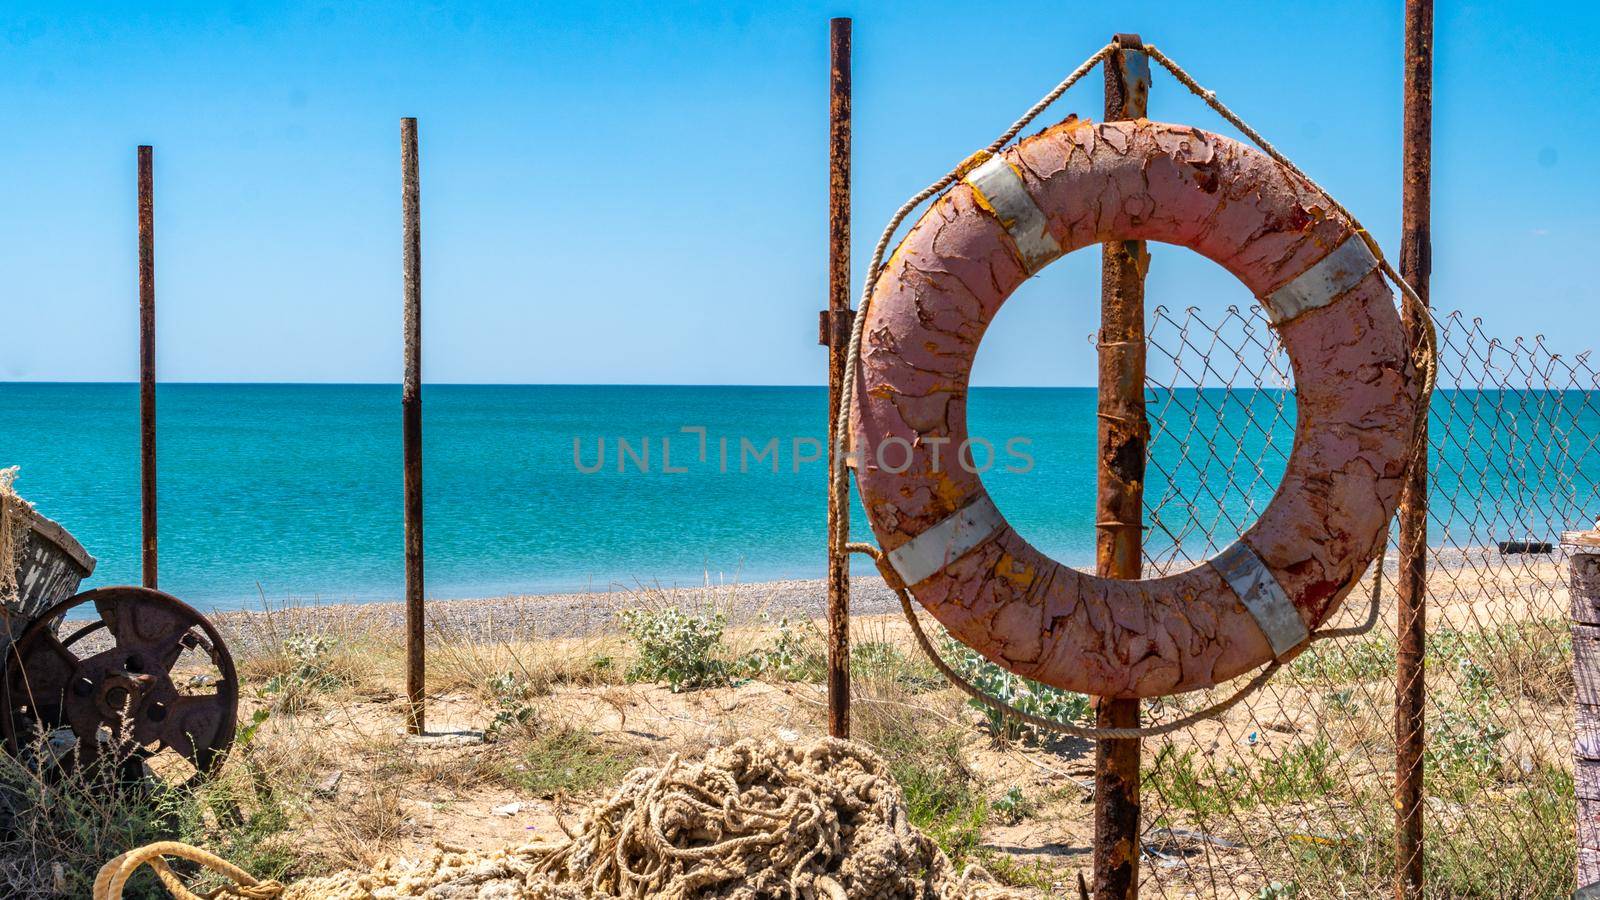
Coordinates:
1263	597
1000	188
929	552
1321	284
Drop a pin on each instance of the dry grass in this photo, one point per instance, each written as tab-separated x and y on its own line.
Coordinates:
460	665
60	824
375	819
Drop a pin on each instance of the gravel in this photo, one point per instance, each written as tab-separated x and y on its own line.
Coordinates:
547	616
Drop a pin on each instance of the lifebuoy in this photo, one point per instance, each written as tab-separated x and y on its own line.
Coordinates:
1071	186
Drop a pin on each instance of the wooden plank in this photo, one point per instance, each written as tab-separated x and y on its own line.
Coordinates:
1586	732
1588	826
1586	664
1586	779
1588	866
1583	581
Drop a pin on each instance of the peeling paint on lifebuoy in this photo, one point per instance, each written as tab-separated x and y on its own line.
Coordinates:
1078	184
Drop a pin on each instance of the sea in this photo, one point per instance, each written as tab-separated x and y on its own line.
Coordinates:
282	493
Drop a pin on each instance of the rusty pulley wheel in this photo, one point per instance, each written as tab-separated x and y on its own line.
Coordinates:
148	676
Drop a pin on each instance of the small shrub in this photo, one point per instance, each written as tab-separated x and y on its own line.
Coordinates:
1476	681
309	667
1028	696
1460	743
1345	662
1299	773
883	660
795	654
514	712
685	651
1174	777
1013	806
1343	702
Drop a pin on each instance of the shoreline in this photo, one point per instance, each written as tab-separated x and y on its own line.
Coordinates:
1460	576
517	617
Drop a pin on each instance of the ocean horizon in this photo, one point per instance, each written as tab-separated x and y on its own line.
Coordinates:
292	492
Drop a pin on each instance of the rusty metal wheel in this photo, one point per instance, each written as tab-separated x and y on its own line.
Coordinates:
149	677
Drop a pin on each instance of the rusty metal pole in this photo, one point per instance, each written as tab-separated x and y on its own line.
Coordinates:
835	333
1119	499
147	365
1415	264
411	422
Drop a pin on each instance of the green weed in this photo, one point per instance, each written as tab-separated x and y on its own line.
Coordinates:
1014	806
795	654
1028	696
1345	662
886	661
514	711
568	760
307	665
1299	773
1009	871
1498	844
943	795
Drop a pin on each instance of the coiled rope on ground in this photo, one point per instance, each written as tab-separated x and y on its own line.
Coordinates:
749	821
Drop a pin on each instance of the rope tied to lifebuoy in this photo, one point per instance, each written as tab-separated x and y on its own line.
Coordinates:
1422	353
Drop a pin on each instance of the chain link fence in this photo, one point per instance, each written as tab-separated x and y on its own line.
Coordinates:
1291	794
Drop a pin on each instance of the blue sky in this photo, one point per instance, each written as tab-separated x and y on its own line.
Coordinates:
637	192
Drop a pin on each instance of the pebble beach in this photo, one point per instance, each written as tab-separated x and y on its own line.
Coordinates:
562	616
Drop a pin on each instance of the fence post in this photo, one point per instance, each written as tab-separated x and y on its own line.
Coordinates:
835	333
147	365
1583	575
411	422
1119	499
1411	602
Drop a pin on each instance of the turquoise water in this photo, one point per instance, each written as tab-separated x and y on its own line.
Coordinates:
293	491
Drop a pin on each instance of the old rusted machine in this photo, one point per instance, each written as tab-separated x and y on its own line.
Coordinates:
125	676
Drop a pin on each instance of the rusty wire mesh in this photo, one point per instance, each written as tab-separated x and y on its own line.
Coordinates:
1291	794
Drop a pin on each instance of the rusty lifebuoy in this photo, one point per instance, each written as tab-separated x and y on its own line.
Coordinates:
1071	186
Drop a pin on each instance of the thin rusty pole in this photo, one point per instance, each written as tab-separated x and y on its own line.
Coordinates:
1412	601
1119	499
411	423
835	333
147	364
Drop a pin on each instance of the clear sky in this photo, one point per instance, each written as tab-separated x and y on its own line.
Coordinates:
637	192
